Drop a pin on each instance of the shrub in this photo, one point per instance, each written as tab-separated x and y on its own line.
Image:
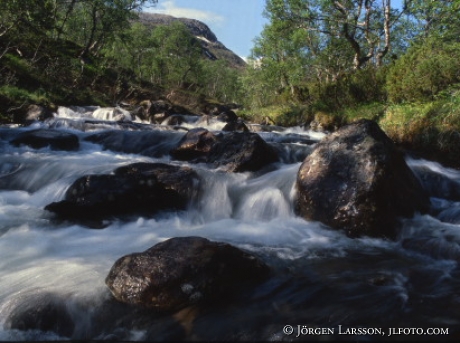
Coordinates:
424	71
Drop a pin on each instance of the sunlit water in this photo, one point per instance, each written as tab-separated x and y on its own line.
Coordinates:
322	278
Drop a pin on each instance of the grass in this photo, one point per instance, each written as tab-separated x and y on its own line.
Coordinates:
431	129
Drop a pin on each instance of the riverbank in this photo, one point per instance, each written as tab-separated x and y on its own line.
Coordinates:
430	130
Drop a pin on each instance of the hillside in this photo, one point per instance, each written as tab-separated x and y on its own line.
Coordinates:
39	68
212	48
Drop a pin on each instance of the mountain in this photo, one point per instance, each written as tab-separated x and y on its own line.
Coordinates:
212	48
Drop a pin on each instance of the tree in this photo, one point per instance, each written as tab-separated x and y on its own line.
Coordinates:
428	68
436	18
177	55
365	25
94	23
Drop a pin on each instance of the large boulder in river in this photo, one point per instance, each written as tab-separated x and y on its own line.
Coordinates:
137	189
235	151
185	271
41	138
356	180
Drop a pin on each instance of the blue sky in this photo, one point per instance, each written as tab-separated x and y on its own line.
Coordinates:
235	22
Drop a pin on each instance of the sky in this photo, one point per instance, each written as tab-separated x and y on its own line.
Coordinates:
236	23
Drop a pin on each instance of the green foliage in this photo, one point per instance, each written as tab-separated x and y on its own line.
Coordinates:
425	71
373	111
21	95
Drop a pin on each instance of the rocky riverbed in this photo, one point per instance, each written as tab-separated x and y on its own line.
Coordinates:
195	229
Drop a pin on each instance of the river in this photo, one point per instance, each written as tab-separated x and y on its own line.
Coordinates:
326	286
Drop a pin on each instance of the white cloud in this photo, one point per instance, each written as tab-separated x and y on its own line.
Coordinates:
170	8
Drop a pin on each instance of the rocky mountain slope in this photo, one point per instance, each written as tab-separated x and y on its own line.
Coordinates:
212	48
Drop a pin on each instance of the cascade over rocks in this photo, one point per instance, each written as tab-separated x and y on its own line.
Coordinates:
436	184
356	179
185	271
139	188
41	138
236	151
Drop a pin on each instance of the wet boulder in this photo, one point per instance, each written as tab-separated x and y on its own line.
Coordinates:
182	180
356	180
235	151
182	272
175	119
137	189
227	116
195	144
41	138
236	126
241	152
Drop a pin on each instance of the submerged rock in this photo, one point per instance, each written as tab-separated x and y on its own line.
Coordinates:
41	138
356	180
185	271
148	143
44	312
140	188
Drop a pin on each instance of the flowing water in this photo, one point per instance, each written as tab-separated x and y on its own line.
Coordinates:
325	286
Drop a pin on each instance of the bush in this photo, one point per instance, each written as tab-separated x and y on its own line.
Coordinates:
424	71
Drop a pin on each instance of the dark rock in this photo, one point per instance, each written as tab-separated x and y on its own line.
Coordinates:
356	180
175	119
157	111
236	126
196	143
41	138
228	117
182	272
241	151
141	189
44	312
182	180
237	151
